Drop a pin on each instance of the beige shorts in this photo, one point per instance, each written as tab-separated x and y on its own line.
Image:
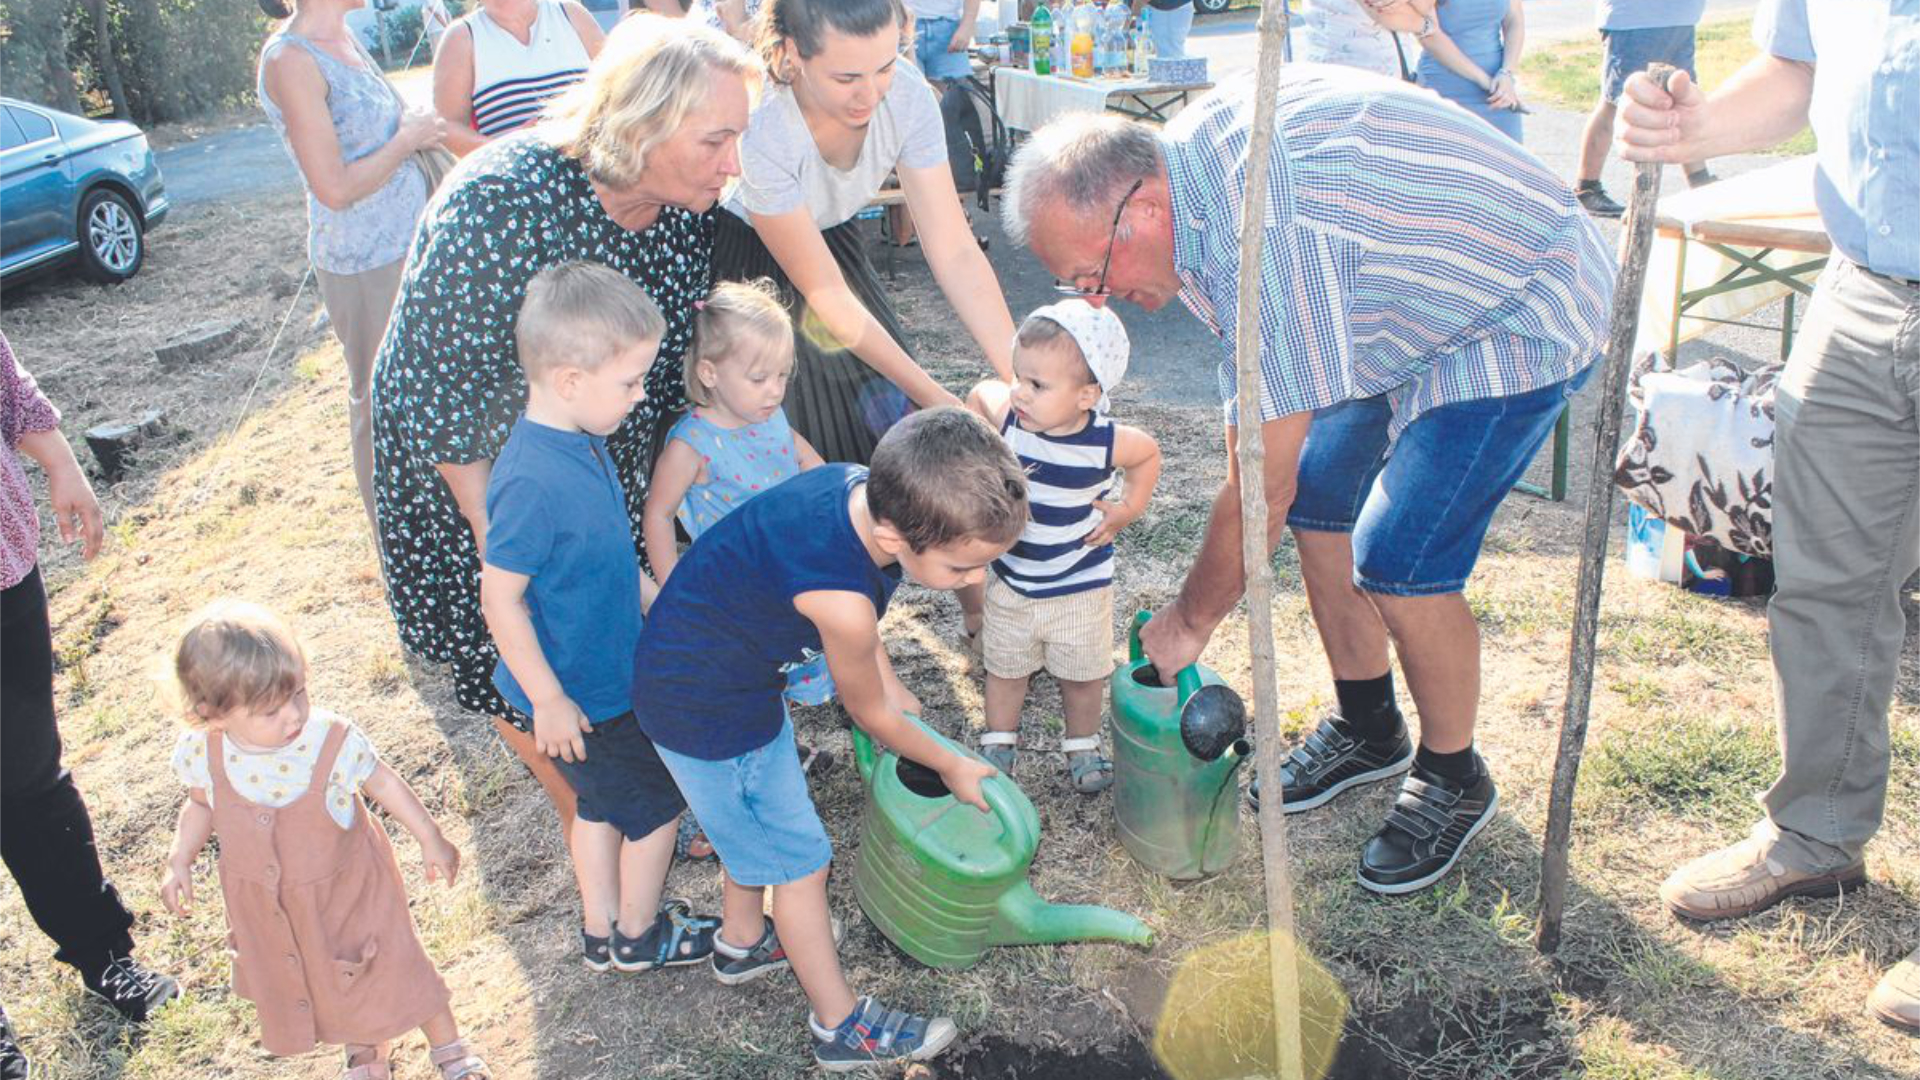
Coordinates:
1071	636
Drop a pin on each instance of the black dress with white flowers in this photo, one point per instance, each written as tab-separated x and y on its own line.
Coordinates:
447	386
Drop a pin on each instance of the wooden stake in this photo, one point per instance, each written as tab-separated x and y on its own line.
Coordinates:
1282	952
1637	240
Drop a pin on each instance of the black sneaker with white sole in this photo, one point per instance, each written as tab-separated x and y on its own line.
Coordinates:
733	965
13	1063
124	983
1427	829
1333	759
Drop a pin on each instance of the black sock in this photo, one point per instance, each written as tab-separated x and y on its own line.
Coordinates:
1367	705
1461	766
1587	185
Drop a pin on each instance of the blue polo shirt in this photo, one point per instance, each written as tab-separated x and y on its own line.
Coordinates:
711	666
1866	114
557	513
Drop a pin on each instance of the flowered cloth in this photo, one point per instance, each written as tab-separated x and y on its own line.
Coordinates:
23	411
277	777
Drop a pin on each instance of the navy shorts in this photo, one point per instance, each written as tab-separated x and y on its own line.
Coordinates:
623	782
1629	51
1419	514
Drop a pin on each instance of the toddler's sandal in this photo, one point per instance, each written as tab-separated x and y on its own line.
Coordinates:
1090	772
676	938
1001	749
380	1069
457	1061
690	842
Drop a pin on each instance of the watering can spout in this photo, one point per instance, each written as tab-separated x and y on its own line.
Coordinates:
1022	918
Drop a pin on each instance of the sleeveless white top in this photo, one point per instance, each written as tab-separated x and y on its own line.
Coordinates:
511	81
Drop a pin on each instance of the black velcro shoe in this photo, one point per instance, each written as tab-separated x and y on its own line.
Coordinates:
13	1063
1333	759
132	990
1426	831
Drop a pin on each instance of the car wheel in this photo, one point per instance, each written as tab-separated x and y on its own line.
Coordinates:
1212	7
112	245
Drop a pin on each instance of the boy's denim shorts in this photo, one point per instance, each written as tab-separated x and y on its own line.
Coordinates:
1419	514
756	810
623	782
930	38
1629	51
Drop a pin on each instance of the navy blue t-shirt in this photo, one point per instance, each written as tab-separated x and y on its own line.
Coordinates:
556	512
710	669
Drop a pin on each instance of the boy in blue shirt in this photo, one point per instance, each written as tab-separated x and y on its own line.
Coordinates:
561	591
812	564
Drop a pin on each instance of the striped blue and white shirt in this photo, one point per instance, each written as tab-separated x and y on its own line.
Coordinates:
1065	474
1410	249
512	81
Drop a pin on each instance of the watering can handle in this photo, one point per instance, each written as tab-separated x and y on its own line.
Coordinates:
863	754
1187	679
1001	796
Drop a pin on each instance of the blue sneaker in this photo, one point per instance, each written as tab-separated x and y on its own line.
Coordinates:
874	1034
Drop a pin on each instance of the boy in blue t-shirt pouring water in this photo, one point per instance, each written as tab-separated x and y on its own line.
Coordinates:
812	564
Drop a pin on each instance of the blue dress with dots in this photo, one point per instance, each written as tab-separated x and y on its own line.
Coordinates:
743	462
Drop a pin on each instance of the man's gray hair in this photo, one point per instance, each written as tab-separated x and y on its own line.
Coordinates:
1082	163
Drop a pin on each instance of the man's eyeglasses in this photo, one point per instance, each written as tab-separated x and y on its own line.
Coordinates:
1100	289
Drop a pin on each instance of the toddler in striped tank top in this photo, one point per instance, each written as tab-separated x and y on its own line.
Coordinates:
1048	603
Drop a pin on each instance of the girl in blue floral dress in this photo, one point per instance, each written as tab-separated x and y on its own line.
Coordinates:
735	443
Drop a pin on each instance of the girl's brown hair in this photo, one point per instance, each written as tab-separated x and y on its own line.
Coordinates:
236	655
738	316
802	25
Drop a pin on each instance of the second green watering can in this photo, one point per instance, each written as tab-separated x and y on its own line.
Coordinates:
945	882
1177	751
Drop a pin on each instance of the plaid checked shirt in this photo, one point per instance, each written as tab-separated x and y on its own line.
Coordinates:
1410	249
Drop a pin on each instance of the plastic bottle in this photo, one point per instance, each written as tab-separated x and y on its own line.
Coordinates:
1143	44
1042	40
1118	58
1082	44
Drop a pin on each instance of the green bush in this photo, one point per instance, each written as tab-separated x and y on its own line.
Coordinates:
403	32
175	58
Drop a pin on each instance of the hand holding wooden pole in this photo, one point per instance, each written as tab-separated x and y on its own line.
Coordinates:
1282	953
1636	240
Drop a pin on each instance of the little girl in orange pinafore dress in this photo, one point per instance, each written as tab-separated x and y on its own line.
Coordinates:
323	944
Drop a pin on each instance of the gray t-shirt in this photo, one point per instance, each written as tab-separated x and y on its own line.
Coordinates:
781	168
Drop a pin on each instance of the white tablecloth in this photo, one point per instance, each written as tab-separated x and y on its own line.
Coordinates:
1026	101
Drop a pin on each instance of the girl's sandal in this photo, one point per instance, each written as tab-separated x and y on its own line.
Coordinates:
1001	749
1091	773
457	1061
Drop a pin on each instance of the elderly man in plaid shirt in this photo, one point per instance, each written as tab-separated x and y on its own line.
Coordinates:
1430	297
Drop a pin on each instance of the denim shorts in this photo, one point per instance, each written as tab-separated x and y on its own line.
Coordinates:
756	811
930	38
1629	51
623	782
1419	514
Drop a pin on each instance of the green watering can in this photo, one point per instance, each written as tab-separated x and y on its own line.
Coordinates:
1176	754
945	882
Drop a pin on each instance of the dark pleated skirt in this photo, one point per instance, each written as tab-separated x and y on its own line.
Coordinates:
834	399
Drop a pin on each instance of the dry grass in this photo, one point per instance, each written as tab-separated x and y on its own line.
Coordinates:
1442	984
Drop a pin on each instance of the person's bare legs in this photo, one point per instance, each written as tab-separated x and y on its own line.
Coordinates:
559	792
597	867
742	913
1351	630
1005	699
1084	703
643	874
973	607
806	933
1595	139
1438	641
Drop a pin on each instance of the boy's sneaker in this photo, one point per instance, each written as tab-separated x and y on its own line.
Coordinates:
595	952
733	965
13	1063
1426	830
128	986
1594	200
875	1034
1333	759
677	938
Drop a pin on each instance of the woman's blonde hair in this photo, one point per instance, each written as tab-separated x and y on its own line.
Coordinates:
736	316
639	90
236	655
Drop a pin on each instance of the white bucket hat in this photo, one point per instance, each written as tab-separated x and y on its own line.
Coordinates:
1101	337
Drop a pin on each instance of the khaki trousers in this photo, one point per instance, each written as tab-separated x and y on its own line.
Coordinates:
358	306
1846	539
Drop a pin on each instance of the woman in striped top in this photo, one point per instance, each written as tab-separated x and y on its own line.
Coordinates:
1049	601
497	66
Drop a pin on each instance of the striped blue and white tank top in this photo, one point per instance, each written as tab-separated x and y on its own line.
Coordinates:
511	81
1065	474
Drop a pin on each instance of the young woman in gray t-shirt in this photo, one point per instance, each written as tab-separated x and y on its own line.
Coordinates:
843	111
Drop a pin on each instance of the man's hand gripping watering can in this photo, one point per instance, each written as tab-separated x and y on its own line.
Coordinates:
1177	753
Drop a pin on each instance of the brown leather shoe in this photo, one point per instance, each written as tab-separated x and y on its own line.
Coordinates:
1896	1000
1740	880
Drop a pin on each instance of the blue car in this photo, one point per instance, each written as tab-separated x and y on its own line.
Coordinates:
72	188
